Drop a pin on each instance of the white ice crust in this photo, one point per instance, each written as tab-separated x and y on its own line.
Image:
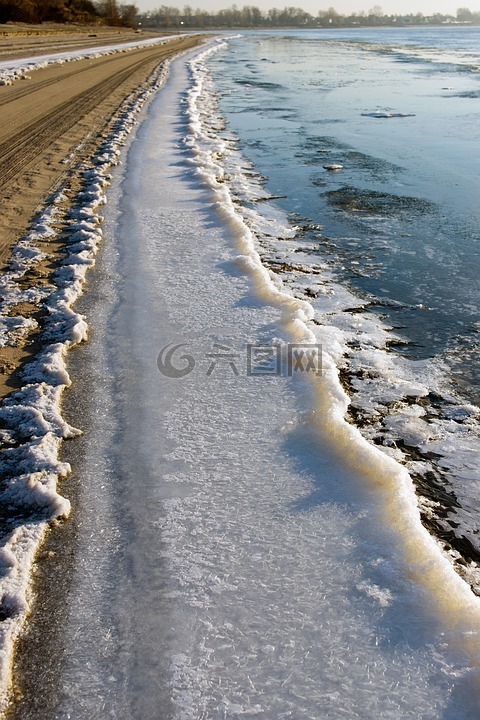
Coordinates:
220	165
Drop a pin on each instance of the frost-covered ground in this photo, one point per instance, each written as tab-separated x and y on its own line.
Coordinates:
242	551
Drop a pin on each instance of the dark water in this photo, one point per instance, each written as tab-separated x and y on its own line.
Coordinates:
400	222
367	142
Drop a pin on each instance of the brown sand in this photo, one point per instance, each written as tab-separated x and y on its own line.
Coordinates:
44	120
50	124
22	40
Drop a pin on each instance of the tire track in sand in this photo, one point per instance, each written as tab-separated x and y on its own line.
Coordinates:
61	115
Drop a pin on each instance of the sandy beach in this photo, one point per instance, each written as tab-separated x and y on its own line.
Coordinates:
52	123
222	536
21	40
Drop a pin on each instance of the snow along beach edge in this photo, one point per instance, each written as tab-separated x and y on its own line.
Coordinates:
32	425
13	70
457	607
35	427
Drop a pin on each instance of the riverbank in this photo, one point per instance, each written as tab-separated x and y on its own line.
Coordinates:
227	562
55	126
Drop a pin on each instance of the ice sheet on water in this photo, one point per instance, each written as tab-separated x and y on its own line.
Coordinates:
386	114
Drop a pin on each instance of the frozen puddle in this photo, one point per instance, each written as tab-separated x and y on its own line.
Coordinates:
228	566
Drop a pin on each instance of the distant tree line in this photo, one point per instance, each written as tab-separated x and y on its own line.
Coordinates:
110	12
107	12
251	17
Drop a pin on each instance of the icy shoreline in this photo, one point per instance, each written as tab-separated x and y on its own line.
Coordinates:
251	571
33	427
227	562
38	405
332	403
404	406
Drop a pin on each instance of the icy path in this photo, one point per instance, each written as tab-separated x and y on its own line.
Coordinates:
229	566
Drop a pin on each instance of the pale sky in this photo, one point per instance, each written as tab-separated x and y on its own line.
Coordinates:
345	7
